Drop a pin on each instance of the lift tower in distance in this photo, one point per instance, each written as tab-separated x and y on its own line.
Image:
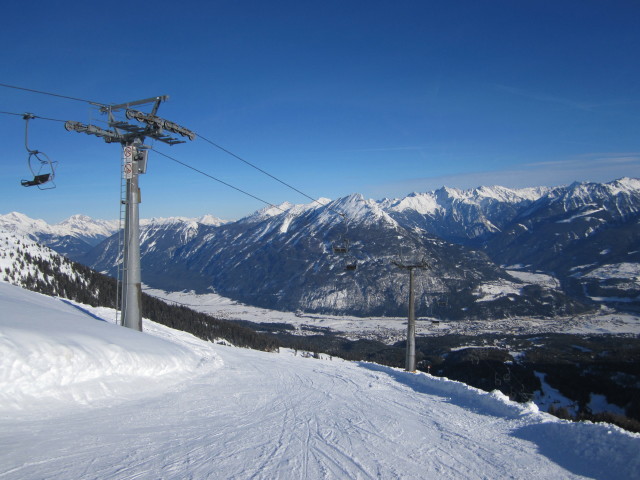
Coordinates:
410	362
134	163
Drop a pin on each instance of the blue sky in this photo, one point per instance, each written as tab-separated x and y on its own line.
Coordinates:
377	97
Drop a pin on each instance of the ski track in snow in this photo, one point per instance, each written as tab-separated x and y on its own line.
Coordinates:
254	415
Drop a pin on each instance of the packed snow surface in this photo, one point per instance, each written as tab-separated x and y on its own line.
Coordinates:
54	355
163	404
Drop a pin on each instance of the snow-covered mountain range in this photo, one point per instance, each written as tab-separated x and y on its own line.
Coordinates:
79	233
79	226
460	215
284	258
73	236
584	237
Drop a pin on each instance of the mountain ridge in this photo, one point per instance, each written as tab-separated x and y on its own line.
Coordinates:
284	256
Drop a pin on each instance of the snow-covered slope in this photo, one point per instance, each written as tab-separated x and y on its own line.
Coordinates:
54	354
99	401
30	265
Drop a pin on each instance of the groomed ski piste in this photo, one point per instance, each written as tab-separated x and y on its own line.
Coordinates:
82	398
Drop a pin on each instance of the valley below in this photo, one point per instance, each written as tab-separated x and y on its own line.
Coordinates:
389	330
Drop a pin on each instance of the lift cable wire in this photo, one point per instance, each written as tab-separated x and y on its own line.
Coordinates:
32	116
12	113
341	214
97	104
217	179
170	158
256	167
214	144
341	247
228	152
100	104
238	157
351	263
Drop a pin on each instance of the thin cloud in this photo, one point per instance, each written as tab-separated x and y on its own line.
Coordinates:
599	168
543	97
568	102
590	158
387	149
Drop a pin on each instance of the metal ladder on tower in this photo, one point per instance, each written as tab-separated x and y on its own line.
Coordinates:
120	263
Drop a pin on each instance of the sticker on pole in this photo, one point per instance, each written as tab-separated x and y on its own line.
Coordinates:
128	162
128	170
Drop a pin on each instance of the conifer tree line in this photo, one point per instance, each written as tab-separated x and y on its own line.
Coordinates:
54	275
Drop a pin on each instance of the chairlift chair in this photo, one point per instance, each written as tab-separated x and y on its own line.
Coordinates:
39	163
37	180
350	263
42	169
351	266
340	248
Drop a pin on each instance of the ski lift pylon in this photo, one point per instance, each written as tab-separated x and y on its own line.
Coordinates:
39	163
